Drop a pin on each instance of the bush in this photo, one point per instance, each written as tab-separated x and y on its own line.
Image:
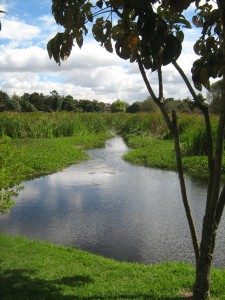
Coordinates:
11	174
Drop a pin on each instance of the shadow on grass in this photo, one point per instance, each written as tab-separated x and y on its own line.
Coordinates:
22	284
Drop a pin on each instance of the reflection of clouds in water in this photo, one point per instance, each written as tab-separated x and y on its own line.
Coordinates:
116	144
83	174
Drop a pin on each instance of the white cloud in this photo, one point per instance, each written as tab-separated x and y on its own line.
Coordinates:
90	73
14	29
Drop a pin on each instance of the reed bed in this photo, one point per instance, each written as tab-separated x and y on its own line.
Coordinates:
65	124
49	125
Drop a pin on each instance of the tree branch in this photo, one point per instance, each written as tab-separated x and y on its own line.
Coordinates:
160	81
172	125
205	112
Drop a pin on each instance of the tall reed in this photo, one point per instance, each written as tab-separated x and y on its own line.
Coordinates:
48	125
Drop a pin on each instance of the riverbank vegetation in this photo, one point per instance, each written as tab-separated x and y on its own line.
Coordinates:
45	156
37	135
48	142
40	270
156	153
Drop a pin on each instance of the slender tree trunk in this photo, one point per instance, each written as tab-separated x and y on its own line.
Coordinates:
172	126
211	219
183	187
205	112
216	204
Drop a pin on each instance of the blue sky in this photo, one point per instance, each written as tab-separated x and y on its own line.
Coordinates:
90	73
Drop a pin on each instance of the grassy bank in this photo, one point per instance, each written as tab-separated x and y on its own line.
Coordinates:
158	153
40	270
45	156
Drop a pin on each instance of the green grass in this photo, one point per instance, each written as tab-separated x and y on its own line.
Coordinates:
62	124
45	156
49	125
156	153
40	270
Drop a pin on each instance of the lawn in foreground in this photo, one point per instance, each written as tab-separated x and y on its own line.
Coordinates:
41	270
45	271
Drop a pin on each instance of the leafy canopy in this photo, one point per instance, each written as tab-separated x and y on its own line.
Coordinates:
139	31
208	46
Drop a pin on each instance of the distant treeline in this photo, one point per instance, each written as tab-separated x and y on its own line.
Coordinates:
55	102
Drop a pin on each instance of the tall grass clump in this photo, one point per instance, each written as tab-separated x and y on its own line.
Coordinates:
144	124
194	137
49	125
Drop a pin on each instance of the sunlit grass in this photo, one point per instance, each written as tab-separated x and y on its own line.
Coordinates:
40	270
44	156
156	153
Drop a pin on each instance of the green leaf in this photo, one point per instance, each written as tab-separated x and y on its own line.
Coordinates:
171	50
50	47
68	19
182	20
108	46
97	30
66	47
204	78
180	36
58	40
79	38
89	16
99	3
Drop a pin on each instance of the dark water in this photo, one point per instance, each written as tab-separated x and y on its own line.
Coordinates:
113	208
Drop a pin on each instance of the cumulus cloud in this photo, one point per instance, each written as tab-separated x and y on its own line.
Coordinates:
14	29
89	73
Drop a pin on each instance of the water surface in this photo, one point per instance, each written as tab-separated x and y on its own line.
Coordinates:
110	207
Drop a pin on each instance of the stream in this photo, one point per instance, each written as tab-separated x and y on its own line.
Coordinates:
110	207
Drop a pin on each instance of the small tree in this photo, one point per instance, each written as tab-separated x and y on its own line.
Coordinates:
153	39
11	174
118	106
133	108
3	100
149	105
214	96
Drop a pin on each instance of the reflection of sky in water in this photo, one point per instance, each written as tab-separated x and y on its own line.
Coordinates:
110	207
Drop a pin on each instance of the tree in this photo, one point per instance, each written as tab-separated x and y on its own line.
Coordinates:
13	103
69	104
37	100
25	104
148	105
214	96
133	108
56	100
183	106
153	39
3	99
11	174
118	106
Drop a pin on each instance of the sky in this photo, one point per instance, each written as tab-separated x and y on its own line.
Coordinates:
89	73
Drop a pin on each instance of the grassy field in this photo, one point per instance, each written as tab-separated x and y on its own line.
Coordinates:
39	270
